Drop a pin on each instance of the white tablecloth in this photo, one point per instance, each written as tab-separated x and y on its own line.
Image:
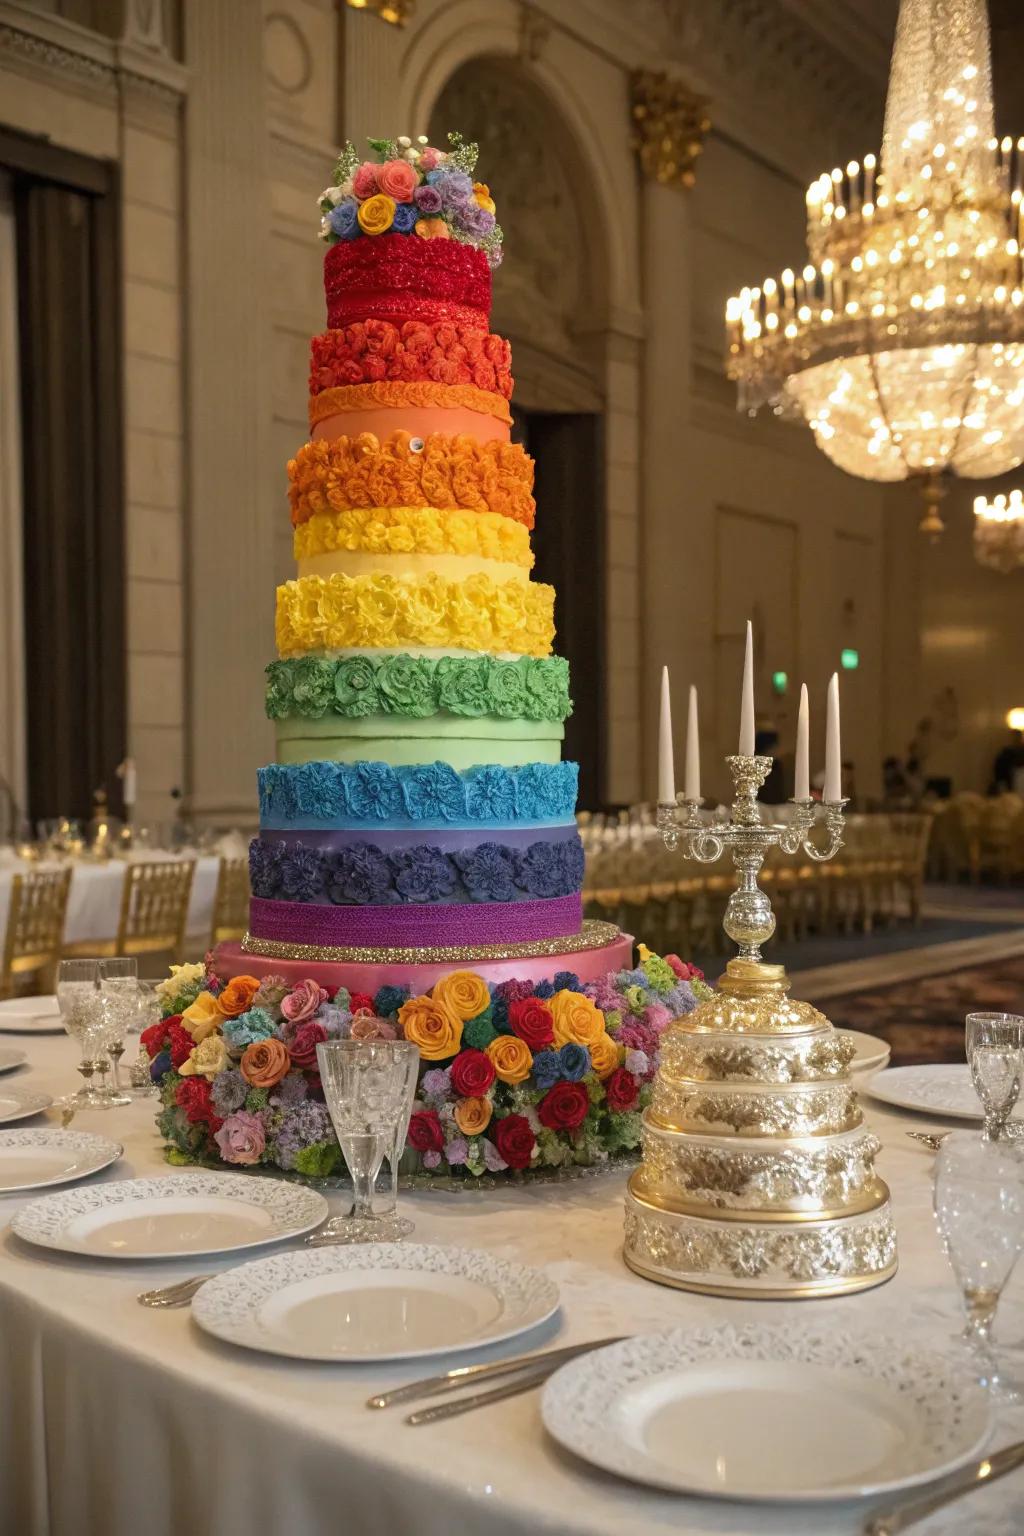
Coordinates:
94	901
116	1421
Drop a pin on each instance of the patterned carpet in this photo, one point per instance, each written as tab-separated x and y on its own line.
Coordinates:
924	1020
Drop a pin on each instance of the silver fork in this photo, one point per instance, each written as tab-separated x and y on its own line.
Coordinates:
181	1292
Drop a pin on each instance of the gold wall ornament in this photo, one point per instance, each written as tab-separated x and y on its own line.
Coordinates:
669	126
395	12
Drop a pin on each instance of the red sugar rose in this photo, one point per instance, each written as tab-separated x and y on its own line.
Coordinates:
621	1090
180	1042
530	1019
563	1107
153	1038
472	1073
425	1133
515	1140
360	1002
302	1049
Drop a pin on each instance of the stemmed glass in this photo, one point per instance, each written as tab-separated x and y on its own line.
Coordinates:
369	1087
147	1012
979	1211
79	1002
995	1053
119	1001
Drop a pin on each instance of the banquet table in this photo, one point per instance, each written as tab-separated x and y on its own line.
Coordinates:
94	901
115	1419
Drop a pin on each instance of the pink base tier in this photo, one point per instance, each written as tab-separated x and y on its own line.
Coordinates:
588	964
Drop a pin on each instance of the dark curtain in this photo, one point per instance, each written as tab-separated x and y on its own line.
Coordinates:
569	543
74	566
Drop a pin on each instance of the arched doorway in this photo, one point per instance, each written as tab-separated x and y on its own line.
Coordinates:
545	297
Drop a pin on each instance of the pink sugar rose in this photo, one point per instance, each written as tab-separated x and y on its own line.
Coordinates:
430	158
307	1037
365	1026
364	182
242	1138
398	179
303	1001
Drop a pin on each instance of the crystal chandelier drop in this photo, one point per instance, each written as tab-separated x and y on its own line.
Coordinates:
999	532
901	343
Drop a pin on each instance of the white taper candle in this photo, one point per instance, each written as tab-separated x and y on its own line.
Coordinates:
802	776
691	787
666	764
833	751
747	698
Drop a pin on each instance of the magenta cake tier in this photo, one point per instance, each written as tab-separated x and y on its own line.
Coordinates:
362	976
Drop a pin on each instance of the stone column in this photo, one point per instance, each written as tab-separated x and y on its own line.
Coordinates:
669	124
234	490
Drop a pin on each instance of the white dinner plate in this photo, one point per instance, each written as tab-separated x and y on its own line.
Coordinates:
171	1216
17	1103
11	1059
870	1053
37	1159
374	1301
934	1090
30	1016
793	1413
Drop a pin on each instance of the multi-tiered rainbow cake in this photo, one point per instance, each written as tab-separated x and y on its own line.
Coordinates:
419	814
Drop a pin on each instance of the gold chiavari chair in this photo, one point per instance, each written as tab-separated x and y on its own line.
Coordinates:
154	911
35	928
231	903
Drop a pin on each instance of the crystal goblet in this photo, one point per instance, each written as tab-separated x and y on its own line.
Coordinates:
368	1087
119	1000
995	1054
979	1211
79	1002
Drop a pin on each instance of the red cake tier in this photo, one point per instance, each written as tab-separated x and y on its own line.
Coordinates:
598	949
400	277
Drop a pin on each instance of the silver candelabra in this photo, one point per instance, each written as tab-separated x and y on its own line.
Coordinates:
749	920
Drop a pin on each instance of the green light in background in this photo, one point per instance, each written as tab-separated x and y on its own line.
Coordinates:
780	681
849	659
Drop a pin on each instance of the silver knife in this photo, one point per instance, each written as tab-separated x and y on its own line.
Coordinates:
900	1516
469	1375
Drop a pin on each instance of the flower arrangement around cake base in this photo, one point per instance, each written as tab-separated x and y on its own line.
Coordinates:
514	1077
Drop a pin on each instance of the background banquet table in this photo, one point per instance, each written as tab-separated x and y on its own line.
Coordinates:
115	1419
94	902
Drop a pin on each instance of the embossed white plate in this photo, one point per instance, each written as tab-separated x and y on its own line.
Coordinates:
35	1159
934	1090
30	1016
170	1216
17	1103
756	1412
11	1059
374	1301
870	1052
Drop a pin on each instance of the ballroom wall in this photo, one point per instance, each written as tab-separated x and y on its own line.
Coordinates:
710	516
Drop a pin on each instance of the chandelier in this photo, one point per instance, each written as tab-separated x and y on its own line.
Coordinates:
901	343
999	532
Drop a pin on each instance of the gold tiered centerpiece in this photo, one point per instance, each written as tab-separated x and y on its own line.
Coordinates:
758	1175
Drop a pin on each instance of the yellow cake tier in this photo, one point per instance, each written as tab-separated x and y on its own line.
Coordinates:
415	530
477	614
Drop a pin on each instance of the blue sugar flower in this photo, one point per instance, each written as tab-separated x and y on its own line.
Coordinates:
490	794
388	1001
404	221
374	793
575	1060
547	1069
487	872
433	791
343	220
566	981
423	874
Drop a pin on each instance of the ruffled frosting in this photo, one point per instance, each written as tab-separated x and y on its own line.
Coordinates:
476	614
364	874
440	352
414	530
375	794
394	277
530	688
441	470
396	396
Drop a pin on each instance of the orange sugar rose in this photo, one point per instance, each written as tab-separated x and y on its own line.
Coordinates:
237	996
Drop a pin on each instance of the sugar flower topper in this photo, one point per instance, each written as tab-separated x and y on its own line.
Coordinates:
411	188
